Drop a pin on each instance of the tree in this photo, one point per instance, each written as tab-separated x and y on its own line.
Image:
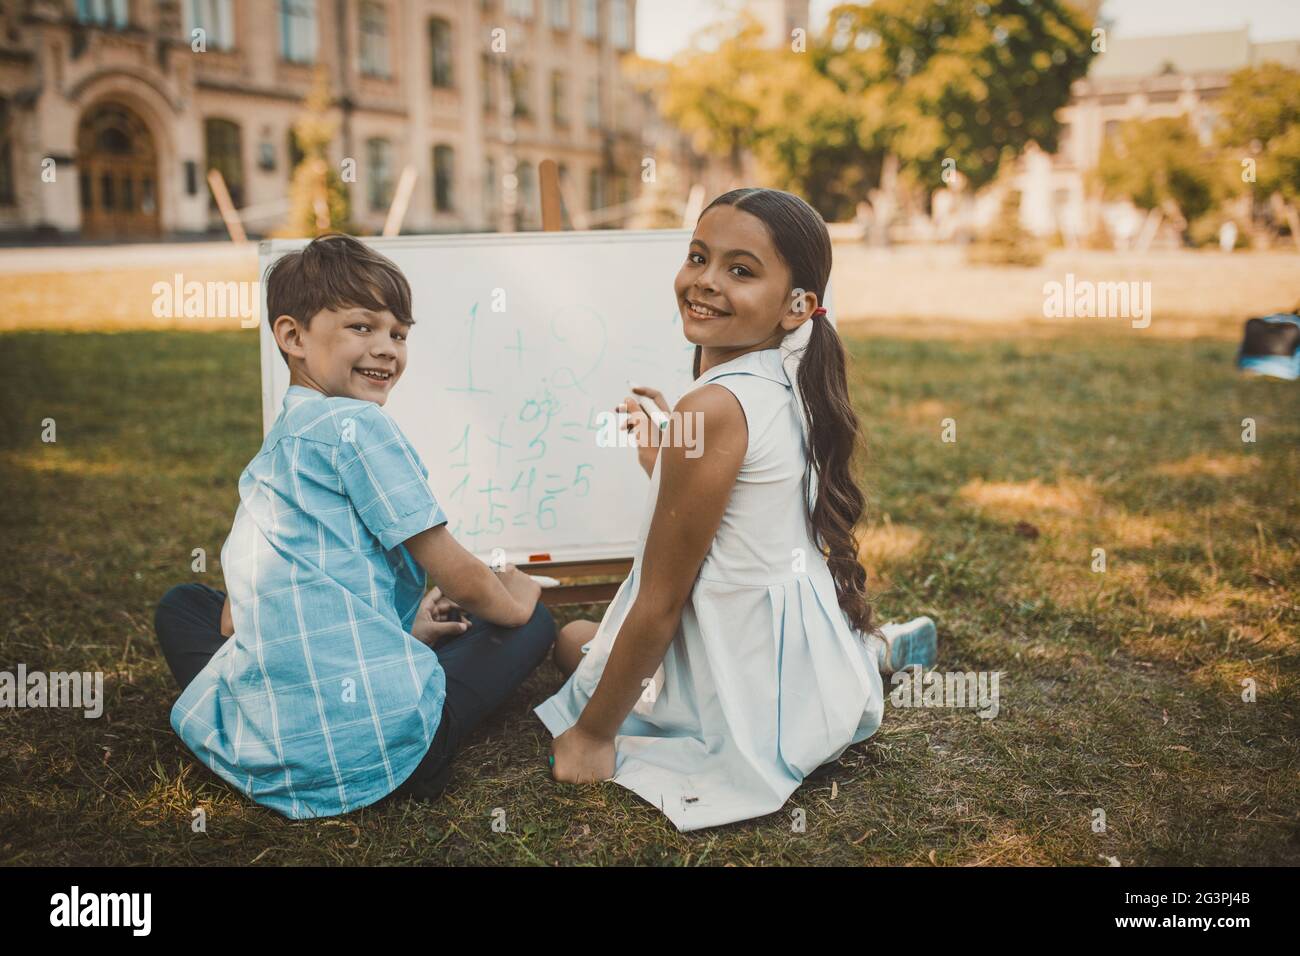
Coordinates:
958	84
914	86
1261	112
713	94
1160	164
318	203
1007	242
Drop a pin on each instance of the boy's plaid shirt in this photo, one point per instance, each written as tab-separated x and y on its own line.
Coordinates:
322	702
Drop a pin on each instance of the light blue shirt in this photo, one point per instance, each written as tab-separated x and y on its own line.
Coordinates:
322	702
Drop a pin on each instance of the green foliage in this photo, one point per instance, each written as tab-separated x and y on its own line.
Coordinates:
927	80
1261	109
316	182
970	80
1160	164
713	95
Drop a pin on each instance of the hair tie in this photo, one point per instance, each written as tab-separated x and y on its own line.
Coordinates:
818	311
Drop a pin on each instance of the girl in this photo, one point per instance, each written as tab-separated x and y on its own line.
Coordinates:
740	653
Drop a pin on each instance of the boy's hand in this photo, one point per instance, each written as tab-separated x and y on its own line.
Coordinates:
439	617
581	757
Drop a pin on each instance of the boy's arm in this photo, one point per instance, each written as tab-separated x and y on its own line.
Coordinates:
506	599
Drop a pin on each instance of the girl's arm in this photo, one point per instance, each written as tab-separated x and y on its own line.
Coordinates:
693	495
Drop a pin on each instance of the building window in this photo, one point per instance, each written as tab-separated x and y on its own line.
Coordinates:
1064	147
222	143
562	174
490	203
103	13
215	18
489	82
266	151
294	152
593	103
298	31
595	190
559	99
6	156
619	25
440	51
591	19
379	160
374	39
520	9
1206	125
557	14
527	205
443	173
519	91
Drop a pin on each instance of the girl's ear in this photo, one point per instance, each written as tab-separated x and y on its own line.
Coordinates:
800	309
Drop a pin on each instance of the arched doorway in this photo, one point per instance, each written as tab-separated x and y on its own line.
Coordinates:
118	174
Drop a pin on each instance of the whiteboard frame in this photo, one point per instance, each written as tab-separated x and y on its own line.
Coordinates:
275	368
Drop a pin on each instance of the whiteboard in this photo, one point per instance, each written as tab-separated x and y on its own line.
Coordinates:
521	341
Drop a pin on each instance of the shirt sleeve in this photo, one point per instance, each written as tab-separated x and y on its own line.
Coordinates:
384	478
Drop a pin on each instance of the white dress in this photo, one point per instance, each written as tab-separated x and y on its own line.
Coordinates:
765	679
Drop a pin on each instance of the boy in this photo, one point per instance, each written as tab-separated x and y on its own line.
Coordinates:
340	686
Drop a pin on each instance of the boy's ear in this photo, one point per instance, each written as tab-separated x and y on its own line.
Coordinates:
288	335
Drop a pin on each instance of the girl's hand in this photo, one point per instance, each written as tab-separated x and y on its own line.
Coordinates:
639	424
438	618
581	757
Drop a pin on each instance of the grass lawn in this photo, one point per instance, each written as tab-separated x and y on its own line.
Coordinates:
1120	690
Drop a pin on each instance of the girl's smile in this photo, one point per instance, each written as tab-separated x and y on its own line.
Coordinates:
703	312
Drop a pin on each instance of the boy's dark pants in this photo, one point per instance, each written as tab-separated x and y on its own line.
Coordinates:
484	666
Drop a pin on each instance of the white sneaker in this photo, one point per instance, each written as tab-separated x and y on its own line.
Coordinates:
913	643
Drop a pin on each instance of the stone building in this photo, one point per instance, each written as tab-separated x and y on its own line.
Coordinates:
112	111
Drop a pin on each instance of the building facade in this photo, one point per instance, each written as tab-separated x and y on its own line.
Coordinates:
1135	78
113	111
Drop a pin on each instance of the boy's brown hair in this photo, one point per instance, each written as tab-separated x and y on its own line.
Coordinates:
331	272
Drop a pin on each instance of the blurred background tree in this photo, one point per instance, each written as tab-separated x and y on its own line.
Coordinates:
1261	109
973	81
713	94
318	201
1007	242
886	95
1160	165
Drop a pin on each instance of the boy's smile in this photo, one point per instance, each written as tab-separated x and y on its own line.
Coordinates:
352	352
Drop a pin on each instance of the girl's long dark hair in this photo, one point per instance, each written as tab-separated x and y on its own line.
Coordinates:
803	243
